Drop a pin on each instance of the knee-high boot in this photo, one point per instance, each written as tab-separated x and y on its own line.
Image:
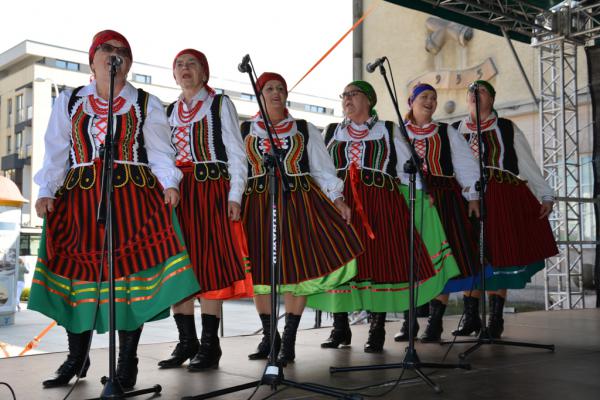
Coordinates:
78	346
127	364
376	333
188	342
288	341
471	320
402	336
433	332
209	352
496	322
262	351
340	334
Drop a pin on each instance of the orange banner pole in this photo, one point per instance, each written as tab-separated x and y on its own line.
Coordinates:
3	347
36	340
340	40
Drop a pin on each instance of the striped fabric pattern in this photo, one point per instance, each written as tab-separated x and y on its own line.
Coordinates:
314	240
215	249
143	231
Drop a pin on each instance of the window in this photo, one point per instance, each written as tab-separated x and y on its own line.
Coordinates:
18	141
247	96
147	79
20	112
29	244
15	175
315	109
9	108
71	66
8	144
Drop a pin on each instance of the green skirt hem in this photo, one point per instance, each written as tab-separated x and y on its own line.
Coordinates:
513	277
314	286
144	296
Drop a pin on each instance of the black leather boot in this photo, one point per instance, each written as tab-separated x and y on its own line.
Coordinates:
209	352
433	332
127	363
376	333
402	336
262	351
288	341
340	334
471	321
78	346
188	342
496	322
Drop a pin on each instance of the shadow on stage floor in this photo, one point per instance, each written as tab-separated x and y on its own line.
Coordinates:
571	372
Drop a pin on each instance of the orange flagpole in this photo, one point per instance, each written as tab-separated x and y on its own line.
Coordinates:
36	340
340	40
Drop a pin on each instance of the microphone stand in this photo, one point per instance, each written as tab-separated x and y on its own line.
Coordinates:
112	388
411	360
273	161
484	335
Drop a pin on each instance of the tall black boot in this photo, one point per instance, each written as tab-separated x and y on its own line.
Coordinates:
471	321
209	352
433	332
496	322
262	351
127	369
288	341
78	346
340	334
188	342
376	333
402	336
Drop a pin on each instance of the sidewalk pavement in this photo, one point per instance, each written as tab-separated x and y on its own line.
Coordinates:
240	318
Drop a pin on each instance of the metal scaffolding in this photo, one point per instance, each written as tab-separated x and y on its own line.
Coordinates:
560	162
557	33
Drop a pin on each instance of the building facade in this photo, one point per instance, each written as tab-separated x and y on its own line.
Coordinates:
449	56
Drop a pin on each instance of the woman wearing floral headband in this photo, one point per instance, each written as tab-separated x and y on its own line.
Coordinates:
369	155
314	236
152	267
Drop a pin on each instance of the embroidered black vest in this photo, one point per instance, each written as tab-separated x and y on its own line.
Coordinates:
295	162
438	154
493	146
206	139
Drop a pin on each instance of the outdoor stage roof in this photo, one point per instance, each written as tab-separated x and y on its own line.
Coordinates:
520	19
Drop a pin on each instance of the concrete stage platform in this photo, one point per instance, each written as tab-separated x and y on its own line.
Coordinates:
498	372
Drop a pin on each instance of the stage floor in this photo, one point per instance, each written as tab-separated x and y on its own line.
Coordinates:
498	372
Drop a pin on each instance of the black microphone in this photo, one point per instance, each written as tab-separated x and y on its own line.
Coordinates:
243	66
473	87
116	61
371	66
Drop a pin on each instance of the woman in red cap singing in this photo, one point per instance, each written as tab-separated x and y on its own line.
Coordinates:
152	267
314	236
210	153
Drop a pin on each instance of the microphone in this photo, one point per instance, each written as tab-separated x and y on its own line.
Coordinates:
473	87
243	66
116	61
371	66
